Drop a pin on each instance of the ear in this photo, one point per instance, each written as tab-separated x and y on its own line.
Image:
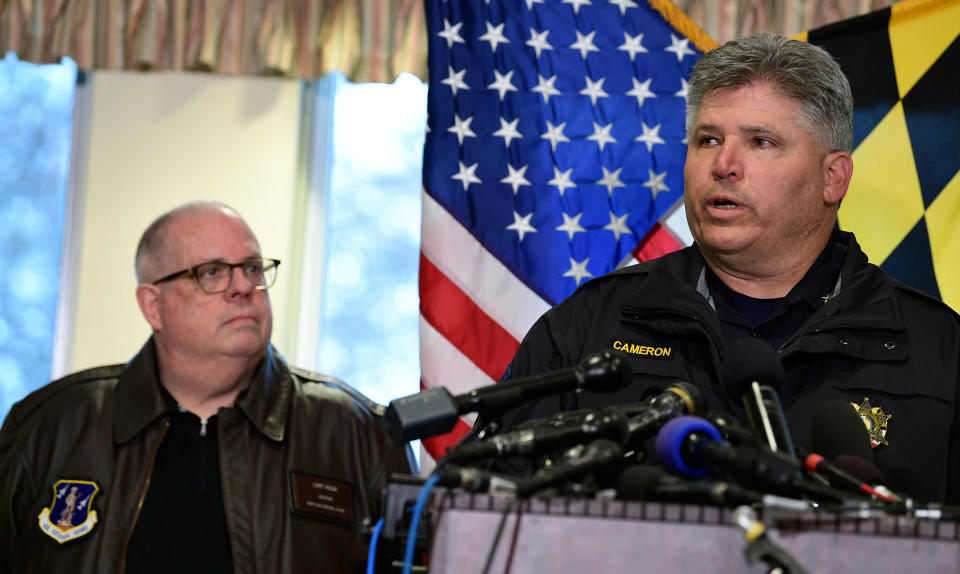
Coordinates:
148	298
837	171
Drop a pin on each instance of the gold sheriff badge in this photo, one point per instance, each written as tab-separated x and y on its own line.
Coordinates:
875	420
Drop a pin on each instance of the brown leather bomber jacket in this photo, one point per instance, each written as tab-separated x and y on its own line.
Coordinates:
303	460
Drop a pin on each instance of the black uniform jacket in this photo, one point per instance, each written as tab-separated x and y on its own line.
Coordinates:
289	428
875	338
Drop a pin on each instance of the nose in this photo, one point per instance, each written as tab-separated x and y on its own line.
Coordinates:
240	285
727	164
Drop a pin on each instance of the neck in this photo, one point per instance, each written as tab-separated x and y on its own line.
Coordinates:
764	277
203	386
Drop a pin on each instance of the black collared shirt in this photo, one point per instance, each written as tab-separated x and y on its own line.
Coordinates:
182	526
776	320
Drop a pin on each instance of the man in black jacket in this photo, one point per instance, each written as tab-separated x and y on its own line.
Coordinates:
206	452
769	124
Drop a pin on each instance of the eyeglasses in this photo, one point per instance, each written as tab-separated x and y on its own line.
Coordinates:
215	276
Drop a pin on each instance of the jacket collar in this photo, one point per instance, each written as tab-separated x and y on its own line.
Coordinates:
140	402
863	294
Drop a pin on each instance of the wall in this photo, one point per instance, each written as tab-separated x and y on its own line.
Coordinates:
147	143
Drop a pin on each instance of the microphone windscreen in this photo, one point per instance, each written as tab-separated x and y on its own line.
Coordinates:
637	481
837	430
861	468
747	360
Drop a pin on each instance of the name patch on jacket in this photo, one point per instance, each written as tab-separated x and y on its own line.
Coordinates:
70	514
321	497
639	350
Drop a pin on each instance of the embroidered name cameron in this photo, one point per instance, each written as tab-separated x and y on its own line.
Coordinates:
643	350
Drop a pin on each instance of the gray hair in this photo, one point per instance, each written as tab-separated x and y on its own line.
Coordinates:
150	249
798	70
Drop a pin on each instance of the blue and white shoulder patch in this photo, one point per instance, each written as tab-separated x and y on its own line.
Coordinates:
70	514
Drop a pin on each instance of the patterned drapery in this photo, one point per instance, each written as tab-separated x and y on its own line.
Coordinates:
368	40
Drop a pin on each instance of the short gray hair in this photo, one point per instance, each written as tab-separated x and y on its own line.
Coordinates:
152	246
798	70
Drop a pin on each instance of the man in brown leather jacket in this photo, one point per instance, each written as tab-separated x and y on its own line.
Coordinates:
206	452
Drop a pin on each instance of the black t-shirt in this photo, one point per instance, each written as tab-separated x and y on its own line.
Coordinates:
182	526
777	320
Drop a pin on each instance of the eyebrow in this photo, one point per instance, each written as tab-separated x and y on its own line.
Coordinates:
749	129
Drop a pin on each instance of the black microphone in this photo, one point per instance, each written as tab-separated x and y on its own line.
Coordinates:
680	398
607	422
692	447
435	411
839	436
649	482
752	370
476	480
598	459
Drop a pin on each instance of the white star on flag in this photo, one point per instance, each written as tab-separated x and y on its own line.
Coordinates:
585	44
571	225
561	179
611	180
632	45
455	80
577	4
601	135
618	225
462	128
545	87
594	90
508	131
655	183
650	136
522	224
515	178
451	33
578	270
466	175
502	84
539	41
679	47
495	36
684	88
641	91
623	5
555	135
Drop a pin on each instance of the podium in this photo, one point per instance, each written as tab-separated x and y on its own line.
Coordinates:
566	536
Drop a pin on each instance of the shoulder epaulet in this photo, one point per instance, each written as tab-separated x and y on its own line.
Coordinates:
335	383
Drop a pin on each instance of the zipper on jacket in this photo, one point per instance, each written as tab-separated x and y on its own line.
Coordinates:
707	328
143	495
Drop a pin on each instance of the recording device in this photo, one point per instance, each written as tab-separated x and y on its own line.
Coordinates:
680	398
841	439
435	411
752	370
692	447
597	459
649	482
607	422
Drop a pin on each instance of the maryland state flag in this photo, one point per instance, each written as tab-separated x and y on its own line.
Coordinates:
903	204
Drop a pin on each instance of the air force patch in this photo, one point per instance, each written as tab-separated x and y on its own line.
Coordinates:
70	514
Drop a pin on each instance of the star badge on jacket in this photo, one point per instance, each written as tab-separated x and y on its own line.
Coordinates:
70	514
875	420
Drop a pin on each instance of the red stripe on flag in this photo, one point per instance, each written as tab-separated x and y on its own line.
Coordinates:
437	445
657	242
455	316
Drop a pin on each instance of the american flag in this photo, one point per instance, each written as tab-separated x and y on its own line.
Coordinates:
555	145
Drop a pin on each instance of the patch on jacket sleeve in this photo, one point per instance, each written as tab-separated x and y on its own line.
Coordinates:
322	497
70	514
661	352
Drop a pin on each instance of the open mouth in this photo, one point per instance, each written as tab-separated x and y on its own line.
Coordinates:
724	204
